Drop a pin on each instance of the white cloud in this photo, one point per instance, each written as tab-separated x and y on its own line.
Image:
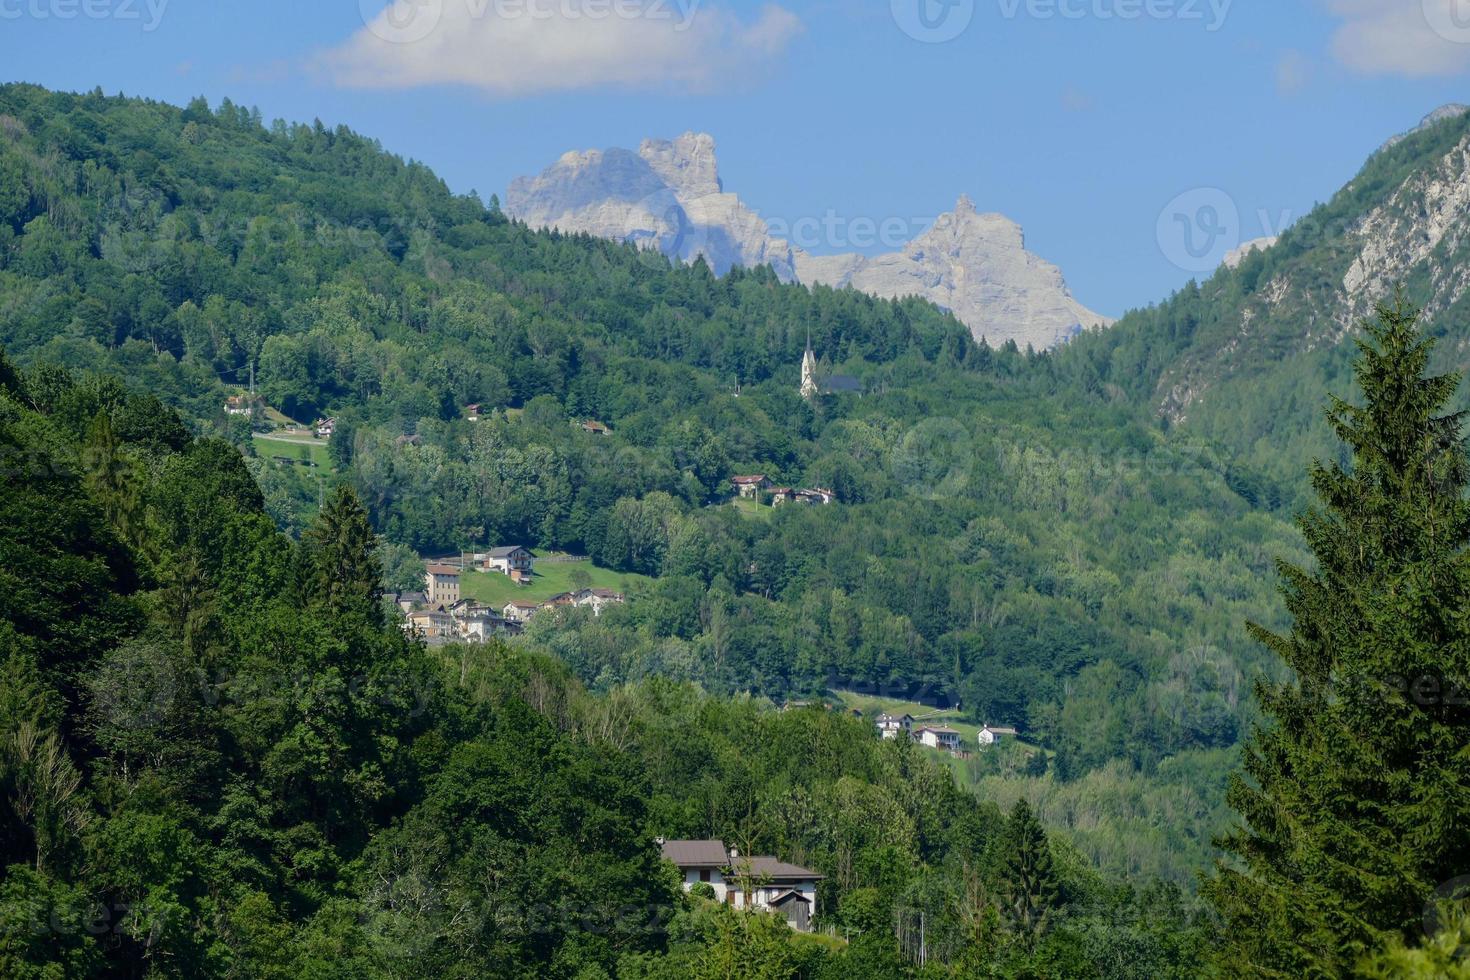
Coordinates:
521	47
1403	37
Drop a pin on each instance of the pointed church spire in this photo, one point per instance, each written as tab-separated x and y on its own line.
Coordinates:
809	368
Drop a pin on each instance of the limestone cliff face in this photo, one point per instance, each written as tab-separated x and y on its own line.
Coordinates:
666	196
975	265
669	196
1400	222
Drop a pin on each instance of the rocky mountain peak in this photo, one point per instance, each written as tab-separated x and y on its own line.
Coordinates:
669	196
687	164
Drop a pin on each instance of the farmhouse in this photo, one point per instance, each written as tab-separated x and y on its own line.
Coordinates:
894	726
512	560
596	428
990	734
815	495
325	427
766	883
441	585
941	737
750	486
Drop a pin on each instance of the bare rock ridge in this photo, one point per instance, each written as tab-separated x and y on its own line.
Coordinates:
669	196
1448	111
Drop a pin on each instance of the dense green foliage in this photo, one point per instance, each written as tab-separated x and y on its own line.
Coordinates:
216	759
1355	810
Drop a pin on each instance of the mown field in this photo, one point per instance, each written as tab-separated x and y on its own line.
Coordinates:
552	578
296	448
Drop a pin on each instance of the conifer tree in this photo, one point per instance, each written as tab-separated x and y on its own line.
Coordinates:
1356	795
1030	876
342	568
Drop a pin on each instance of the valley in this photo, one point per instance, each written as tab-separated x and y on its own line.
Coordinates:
803	477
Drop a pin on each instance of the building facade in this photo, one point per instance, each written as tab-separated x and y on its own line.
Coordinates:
441	585
763	882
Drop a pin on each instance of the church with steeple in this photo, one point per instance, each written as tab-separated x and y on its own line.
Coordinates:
809	370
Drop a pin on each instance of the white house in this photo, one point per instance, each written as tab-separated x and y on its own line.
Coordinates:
513	560
520	611
765	883
596	599
938	737
990	734
892	726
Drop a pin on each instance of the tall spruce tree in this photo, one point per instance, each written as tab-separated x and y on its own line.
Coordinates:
342	569
1031	884
1356	798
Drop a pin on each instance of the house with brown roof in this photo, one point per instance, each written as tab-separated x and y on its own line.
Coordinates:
441	584
596	428
750	486
765	883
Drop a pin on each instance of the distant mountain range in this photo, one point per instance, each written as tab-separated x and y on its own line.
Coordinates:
668	195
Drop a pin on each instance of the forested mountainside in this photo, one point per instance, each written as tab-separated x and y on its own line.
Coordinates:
1010	529
1246	359
218	758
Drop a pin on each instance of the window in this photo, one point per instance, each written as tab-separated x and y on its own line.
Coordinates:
704	875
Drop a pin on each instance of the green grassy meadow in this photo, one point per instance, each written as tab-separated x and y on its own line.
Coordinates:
552	578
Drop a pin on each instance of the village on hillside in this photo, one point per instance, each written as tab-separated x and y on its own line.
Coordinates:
440	614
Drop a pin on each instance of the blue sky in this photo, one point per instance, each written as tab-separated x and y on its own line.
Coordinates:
1081	119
